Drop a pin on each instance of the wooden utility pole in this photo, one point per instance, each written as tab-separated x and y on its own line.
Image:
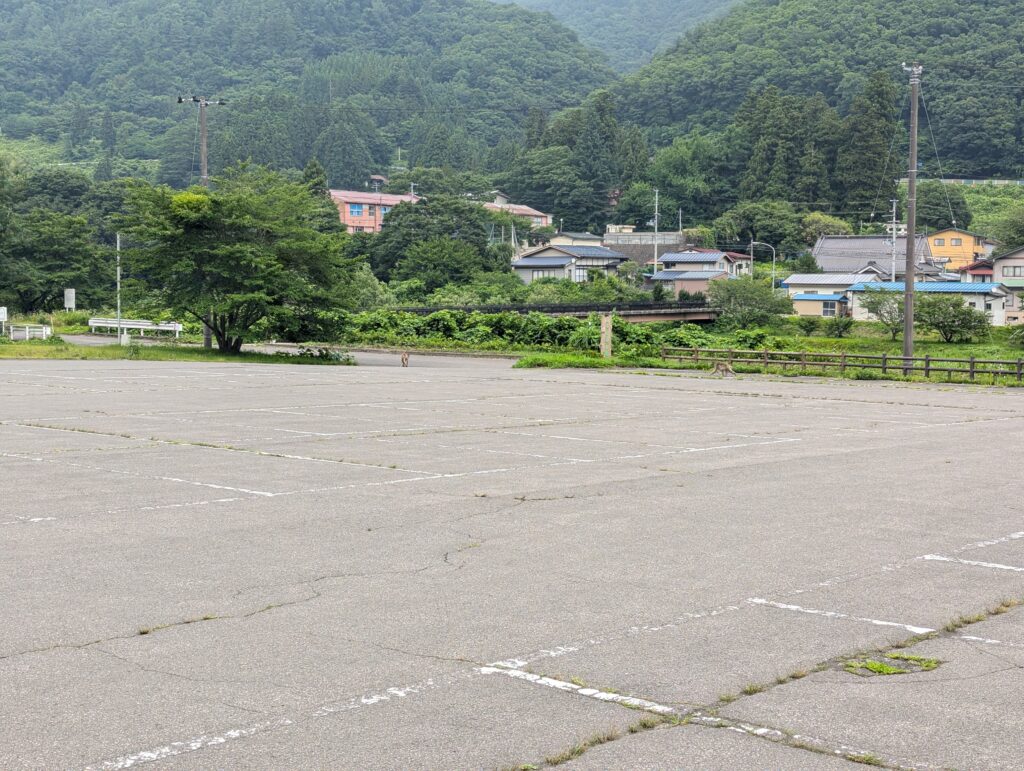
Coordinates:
915	71
657	214
204	180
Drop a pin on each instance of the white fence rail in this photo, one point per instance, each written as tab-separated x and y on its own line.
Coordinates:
141	325
30	332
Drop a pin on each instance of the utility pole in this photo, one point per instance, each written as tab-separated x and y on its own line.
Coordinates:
120	340
204	180
915	70
895	228
680	221
657	214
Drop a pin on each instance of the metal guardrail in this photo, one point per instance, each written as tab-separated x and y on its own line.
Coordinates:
917	365
554	308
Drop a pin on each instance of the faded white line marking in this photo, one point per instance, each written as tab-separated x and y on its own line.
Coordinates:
974	563
592	693
837	615
190	745
987	641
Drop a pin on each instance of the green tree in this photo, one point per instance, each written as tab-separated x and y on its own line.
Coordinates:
942	206
951	318
744	303
439	216
817	224
1009	228
46	252
440	261
887	307
772	222
244	249
863	173
838	326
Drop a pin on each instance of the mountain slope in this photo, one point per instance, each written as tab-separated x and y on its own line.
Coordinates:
102	75
629	32
971	50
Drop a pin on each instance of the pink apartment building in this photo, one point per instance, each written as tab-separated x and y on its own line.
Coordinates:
363	212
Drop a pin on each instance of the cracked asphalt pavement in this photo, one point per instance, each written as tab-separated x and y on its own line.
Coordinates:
463	565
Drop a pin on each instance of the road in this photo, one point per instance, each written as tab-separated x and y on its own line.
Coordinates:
463	565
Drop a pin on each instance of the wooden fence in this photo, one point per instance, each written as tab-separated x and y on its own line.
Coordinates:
928	366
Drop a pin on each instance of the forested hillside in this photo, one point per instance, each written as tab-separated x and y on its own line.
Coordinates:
629	32
350	81
971	51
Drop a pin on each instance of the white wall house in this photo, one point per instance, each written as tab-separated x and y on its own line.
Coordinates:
990	298
733	264
572	262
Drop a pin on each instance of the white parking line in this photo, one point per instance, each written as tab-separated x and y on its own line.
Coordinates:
975	563
837	615
592	693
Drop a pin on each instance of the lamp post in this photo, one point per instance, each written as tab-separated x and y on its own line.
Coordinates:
120	339
762	243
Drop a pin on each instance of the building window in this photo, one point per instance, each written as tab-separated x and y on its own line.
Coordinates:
546	273
373	210
384	210
1013	271
580	275
956	242
355	210
988	306
828	308
940	241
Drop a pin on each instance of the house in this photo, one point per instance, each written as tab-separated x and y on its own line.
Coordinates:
363	212
958	248
979	271
501	203
817	304
572	262
1008	270
733	263
575	239
640	247
822	294
851	254
689	281
986	297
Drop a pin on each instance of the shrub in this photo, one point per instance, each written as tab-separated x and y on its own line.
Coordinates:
838	326
587	337
808	324
688	336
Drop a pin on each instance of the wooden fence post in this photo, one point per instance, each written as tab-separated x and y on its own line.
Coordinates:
928	365
885	364
1020	369
973	369
842	363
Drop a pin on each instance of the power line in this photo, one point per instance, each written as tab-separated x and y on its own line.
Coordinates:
938	160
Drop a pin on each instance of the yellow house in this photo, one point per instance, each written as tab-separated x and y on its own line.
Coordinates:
959	247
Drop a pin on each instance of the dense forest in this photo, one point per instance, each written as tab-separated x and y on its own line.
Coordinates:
971	51
352	82
629	32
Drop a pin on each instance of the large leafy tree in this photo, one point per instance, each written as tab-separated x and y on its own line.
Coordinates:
438	262
951	318
439	216
244	251
772	222
745	302
44	253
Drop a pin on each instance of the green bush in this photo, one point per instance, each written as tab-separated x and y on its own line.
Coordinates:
688	336
808	325
838	326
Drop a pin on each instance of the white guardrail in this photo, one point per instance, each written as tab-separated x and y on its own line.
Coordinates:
30	331
141	325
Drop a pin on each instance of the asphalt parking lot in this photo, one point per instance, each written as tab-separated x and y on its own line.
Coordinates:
461	565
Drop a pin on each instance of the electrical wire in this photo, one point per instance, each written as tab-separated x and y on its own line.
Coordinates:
888	157
938	160
195	145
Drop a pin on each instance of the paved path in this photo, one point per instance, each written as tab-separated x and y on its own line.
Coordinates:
462	565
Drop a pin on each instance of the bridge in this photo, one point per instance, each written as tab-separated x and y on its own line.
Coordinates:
632	312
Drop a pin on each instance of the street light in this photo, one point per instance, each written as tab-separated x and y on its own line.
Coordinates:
762	243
